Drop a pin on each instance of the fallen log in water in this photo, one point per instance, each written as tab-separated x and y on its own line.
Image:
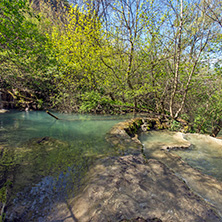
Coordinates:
52	115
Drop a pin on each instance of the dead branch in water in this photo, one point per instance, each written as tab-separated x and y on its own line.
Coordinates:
52	115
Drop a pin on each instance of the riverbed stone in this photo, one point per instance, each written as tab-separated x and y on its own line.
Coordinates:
128	187
132	188
34	158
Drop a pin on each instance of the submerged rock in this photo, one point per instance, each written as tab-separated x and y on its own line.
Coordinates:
127	187
35	160
49	171
35	202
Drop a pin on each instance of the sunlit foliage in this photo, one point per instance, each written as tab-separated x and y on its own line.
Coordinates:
121	56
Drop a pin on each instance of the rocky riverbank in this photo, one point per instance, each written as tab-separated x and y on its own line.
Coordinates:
127	187
206	186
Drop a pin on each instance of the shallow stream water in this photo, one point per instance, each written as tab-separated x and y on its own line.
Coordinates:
204	154
21	126
51	156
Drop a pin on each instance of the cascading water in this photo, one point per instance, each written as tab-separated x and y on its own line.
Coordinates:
205	153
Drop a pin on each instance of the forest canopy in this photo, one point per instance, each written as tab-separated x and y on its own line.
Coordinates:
108	56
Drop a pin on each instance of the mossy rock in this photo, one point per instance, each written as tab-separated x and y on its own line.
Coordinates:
125	134
36	158
45	141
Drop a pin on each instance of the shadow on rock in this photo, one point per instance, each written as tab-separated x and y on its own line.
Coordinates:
122	188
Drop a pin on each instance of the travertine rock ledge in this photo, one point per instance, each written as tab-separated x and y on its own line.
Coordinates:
124	135
127	187
206	186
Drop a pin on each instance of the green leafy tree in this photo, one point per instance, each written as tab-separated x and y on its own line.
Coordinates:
23	54
77	49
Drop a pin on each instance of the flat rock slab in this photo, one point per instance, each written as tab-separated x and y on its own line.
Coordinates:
128	187
204	185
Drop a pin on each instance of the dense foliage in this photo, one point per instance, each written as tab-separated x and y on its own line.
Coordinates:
114	56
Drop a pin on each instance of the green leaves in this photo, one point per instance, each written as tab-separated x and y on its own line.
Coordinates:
24	51
83	64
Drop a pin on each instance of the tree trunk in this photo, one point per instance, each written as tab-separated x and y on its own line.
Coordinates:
178	55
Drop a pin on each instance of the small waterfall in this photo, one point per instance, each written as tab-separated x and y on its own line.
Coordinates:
205	152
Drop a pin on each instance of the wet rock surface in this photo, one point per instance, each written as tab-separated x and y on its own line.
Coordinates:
209	188
204	185
139	219
33	203
180	143
127	187
119	137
